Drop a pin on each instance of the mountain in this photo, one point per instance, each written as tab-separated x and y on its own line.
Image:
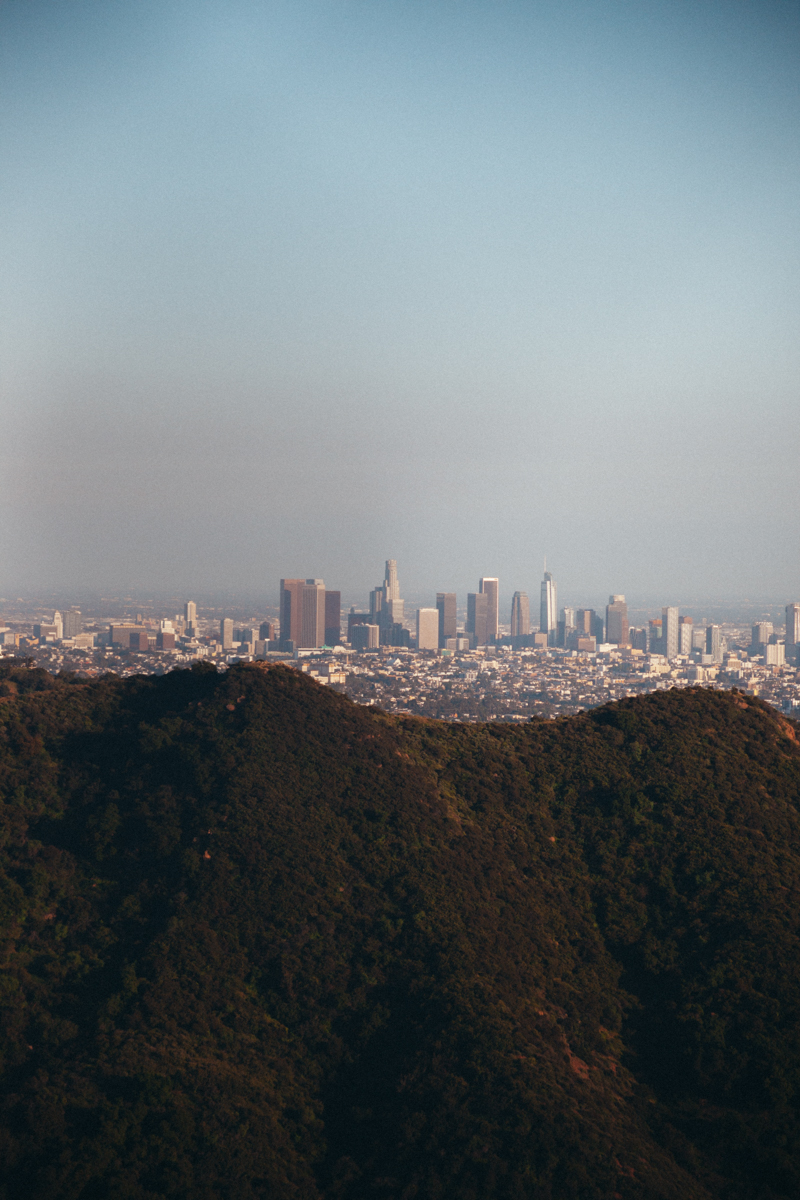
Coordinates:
258	941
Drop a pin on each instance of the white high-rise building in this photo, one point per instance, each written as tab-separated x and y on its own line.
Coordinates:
190	618
59	624
792	627
548	608
670	638
427	628
226	633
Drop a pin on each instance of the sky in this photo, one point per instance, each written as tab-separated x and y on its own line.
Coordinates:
290	288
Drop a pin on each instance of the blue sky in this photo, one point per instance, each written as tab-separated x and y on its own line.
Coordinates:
286	289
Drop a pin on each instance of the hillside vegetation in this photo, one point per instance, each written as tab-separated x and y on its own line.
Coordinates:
259	942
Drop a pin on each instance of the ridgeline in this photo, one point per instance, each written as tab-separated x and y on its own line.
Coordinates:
260	942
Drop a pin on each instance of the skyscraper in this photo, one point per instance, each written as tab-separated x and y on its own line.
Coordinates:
617	621
386	607
520	615
190	618
792	638
669	632
477	613
548	609
226	633
427	628
73	623
685	632
291	616
312	629
446	607
391	586
566	626
333	618
761	633
490	587
714	642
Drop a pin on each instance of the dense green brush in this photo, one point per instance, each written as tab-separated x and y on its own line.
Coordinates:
260	942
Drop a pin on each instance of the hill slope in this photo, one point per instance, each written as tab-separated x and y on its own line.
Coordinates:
260	942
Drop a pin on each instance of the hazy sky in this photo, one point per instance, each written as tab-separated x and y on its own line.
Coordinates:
289	288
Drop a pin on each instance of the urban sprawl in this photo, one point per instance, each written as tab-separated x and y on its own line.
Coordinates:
442	661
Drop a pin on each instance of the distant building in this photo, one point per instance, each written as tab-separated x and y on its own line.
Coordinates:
268	631
761	632
775	654
312	629
685	631
520	615
333	618
226	633
477	618
427	628
638	639
446	608
566	626
548	608
588	622
190	618
73	623
385	606
120	635
792	624
792	631
617	621
165	639
669	631
365	637
357	618
291	616
654	639
490	587
714	645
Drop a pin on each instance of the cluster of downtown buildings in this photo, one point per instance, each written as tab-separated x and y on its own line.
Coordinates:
450	660
311	618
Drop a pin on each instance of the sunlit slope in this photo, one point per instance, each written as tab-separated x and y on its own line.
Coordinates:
261	942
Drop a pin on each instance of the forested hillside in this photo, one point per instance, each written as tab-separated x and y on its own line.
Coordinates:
258	941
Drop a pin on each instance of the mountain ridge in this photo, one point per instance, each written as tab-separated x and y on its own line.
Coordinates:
259	941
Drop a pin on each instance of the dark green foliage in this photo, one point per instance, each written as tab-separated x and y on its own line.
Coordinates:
260	942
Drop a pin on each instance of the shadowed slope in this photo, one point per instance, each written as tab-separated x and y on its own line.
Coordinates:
261	942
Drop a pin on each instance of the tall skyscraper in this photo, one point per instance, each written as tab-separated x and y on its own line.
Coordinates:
226	633
617	621
386	608
333	618
391	586
477	614
792	638
548	609
520	615
291	616
427	628
761	633
685	633
490	587
73	623
446	607
312	629
566	626
190	618
714	642
669	632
